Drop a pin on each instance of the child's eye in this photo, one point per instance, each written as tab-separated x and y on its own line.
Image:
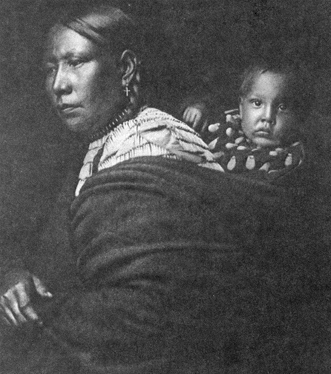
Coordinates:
256	103
283	107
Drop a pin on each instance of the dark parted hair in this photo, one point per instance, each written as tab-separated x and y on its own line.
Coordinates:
299	78
112	28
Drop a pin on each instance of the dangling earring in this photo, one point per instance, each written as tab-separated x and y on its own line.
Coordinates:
126	90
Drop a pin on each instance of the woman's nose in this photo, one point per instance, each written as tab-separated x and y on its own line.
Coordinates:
61	83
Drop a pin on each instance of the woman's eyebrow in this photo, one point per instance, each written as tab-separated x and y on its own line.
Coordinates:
77	53
71	54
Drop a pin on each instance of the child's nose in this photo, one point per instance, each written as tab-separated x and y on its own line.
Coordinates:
269	114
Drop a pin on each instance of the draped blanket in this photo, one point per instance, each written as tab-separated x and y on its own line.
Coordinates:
183	269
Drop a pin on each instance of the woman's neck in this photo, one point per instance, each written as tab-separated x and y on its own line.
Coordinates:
122	116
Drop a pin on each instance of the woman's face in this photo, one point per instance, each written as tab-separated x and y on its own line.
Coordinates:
84	86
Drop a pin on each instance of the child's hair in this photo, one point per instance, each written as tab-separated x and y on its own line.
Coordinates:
300	81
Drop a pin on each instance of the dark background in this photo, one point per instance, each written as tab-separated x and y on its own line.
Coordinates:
200	48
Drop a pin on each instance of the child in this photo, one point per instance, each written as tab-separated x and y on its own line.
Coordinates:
265	137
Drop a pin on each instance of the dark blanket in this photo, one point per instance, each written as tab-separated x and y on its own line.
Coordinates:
183	270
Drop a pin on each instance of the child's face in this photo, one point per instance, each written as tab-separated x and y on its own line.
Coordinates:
268	118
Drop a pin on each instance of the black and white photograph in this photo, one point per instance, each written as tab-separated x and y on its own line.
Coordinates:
165	199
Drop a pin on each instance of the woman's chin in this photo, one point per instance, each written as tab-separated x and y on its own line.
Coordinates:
76	125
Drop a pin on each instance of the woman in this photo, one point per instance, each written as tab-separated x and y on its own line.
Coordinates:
164	244
93	83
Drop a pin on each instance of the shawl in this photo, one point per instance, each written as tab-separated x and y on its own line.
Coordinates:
182	269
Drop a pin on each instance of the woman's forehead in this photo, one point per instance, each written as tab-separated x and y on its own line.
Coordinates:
63	41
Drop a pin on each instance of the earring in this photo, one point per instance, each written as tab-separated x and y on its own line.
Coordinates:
126	89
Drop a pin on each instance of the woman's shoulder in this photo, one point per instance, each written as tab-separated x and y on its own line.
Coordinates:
167	131
156	133
152	119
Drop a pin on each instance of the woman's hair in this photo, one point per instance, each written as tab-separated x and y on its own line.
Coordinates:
105	24
299	79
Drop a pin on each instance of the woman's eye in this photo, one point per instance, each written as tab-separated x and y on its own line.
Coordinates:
49	69
283	107
76	62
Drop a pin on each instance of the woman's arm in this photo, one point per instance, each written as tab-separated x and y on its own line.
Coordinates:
26	200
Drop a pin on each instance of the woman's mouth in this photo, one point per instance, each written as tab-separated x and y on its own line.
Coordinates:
67	108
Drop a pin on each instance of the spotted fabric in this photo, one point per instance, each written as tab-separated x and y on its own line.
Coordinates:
151	133
237	154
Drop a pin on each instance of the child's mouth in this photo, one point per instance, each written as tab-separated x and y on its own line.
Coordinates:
262	134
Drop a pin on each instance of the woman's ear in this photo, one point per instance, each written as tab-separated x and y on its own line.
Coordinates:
129	63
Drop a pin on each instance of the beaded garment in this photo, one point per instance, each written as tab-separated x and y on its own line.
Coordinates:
237	154
151	133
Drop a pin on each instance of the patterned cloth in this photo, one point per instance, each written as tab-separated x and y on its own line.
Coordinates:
237	154
151	133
